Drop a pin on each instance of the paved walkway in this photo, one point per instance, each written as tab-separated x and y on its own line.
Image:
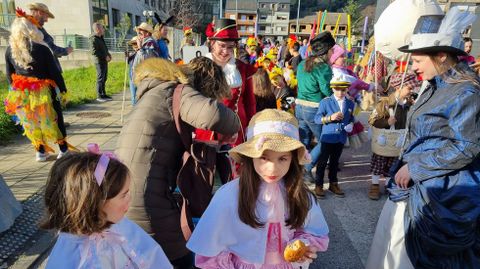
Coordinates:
351	220
24	244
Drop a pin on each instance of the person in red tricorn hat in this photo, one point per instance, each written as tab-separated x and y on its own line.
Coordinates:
223	39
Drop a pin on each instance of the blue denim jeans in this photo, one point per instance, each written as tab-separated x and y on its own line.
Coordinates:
309	129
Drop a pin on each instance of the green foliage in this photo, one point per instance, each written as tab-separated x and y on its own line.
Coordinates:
7	127
81	89
353	8
123	27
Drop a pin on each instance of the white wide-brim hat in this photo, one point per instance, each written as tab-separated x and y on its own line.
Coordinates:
440	33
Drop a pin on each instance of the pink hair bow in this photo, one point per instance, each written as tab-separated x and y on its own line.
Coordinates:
102	164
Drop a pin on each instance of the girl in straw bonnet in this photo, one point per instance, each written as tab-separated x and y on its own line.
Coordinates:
251	220
86	198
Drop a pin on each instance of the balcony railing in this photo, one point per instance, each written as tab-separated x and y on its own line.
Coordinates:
6	20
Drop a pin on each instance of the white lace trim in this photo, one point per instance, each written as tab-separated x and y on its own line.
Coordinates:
232	74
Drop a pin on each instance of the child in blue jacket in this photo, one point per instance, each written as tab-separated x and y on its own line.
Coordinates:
335	113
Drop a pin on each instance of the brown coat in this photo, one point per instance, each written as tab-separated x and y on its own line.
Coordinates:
379	117
150	146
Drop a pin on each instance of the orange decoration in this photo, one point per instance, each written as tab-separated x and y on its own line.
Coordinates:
20	13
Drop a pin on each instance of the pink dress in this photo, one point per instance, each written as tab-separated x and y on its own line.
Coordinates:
277	239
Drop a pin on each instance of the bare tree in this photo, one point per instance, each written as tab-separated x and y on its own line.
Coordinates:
187	13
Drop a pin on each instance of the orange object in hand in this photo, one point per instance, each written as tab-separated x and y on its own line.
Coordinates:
295	251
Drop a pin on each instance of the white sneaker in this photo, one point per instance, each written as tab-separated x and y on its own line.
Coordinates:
41	157
61	154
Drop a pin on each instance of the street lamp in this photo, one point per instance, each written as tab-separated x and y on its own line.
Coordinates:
148	14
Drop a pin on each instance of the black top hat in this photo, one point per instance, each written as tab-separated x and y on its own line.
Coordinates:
224	29
322	43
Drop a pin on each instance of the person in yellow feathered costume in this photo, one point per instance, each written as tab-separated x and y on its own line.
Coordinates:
250	54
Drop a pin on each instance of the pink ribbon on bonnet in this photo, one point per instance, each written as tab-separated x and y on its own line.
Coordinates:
102	164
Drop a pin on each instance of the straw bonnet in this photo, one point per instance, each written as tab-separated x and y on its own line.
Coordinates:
144	26
340	80
437	33
271	129
41	7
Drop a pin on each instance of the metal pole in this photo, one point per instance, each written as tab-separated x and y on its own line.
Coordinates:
220	15
236	10
298	15
271	20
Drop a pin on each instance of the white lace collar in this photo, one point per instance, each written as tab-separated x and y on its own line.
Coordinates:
232	74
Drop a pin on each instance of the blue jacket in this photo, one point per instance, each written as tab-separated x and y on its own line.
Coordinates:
443	157
163	48
333	132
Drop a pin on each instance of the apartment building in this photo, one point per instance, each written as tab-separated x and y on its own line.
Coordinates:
306	24
245	13
273	18
77	16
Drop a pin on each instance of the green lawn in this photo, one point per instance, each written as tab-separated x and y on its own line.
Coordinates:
80	85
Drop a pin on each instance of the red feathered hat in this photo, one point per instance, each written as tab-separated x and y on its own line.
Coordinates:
224	29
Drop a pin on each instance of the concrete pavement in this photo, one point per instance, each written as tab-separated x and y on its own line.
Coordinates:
23	245
351	219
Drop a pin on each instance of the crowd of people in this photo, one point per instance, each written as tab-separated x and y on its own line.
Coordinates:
272	114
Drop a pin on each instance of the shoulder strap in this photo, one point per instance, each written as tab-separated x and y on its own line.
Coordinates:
185	218
185	136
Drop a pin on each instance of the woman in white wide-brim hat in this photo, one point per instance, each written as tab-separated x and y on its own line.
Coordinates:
432	217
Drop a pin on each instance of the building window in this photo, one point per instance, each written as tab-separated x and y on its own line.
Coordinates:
137	20
130	17
263	5
146	2
262	28
250	29
232	16
342	28
251	17
284	6
101	4
243	17
116	16
243	27
303	27
100	11
263	17
281	18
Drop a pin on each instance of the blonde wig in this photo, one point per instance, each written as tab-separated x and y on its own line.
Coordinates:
23	33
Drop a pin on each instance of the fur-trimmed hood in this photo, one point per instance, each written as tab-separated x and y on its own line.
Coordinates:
154	71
